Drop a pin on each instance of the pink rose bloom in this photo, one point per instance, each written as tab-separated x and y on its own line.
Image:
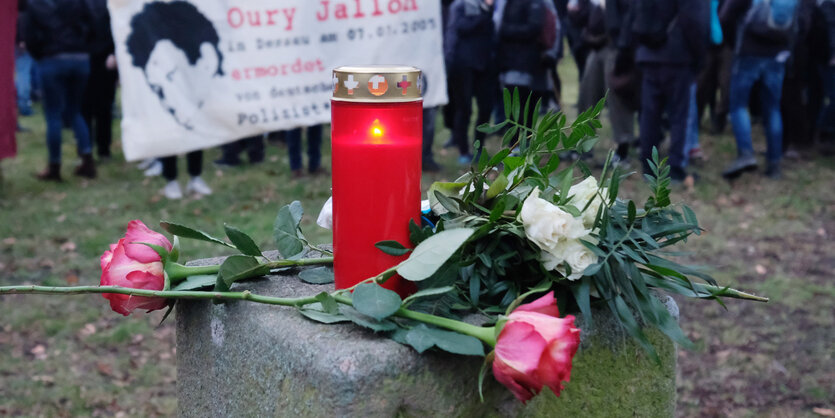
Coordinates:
134	265
535	349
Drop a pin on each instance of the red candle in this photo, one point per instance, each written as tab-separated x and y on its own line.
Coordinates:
376	137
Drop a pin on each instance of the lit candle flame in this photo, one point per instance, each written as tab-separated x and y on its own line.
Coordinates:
377	132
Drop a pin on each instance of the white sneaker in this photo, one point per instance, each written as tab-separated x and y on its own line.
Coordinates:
154	169
197	186
172	190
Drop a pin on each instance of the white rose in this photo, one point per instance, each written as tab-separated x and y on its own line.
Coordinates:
546	224
325	219
572	253
582	193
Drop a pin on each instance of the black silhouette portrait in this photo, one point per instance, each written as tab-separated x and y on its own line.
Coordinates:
176	46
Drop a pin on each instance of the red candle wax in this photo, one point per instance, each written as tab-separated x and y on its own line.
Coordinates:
376	152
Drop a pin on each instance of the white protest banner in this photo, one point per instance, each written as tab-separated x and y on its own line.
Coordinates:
201	73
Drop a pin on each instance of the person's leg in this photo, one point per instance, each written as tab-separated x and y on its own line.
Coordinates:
720	114
75	85
772	77
691	141
650	116
194	163
707	82
743	76
428	161
169	168
23	81
314	148
53	103
462	92
103	112
294	149
679	85
485	100
827	112
593	83
255	148
621	115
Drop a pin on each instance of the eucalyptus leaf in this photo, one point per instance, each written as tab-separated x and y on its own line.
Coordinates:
432	253
428	292
367	321
323	317
317	275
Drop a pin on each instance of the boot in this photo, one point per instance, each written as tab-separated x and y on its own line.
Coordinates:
87	167
51	173
741	164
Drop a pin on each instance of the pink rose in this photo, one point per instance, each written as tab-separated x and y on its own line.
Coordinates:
535	349
131	264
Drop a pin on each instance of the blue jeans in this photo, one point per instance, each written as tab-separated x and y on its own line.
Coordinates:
745	72
23	80
314	145
64	80
691	140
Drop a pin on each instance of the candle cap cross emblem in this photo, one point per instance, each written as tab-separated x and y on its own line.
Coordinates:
377	84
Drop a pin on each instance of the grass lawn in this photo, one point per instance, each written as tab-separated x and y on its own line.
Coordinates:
62	356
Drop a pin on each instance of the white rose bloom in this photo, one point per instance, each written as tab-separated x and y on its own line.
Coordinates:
547	225
572	253
325	219
582	192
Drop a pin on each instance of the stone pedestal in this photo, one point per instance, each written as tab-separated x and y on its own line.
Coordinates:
246	359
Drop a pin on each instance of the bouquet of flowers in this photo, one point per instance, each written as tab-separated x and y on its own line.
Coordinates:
523	235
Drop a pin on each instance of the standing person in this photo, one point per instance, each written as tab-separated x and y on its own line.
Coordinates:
520	50
577	17
97	107
824	27
468	51
22	66
672	39
57	34
796	104
602	34
715	77
314	151
764	36
194	166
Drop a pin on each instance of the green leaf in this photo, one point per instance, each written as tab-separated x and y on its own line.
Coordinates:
444	189
499	184
581	290
320	316
317	275
422	338
428	292
504	152
375	301
187	232
174	254
242	241
432	253
367	321
631	212
239	267
196	282
392	248
507	138
516	105
329	304
286	230
508	103
491	129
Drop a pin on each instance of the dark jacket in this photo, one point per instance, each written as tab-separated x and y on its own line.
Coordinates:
101	38
617	17
55	27
823	32
687	39
595	34
519	46
732	16
470	36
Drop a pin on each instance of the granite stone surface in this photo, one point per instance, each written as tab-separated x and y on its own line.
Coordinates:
245	359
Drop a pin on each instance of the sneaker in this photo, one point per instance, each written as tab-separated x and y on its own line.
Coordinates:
465	159
740	165
197	186
172	190
621	162
319	172
154	169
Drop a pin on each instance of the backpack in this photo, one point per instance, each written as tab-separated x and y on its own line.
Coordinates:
649	27
771	18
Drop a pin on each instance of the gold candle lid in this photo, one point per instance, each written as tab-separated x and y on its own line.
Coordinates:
377	83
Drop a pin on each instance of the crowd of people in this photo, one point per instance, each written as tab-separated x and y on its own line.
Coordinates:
662	63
